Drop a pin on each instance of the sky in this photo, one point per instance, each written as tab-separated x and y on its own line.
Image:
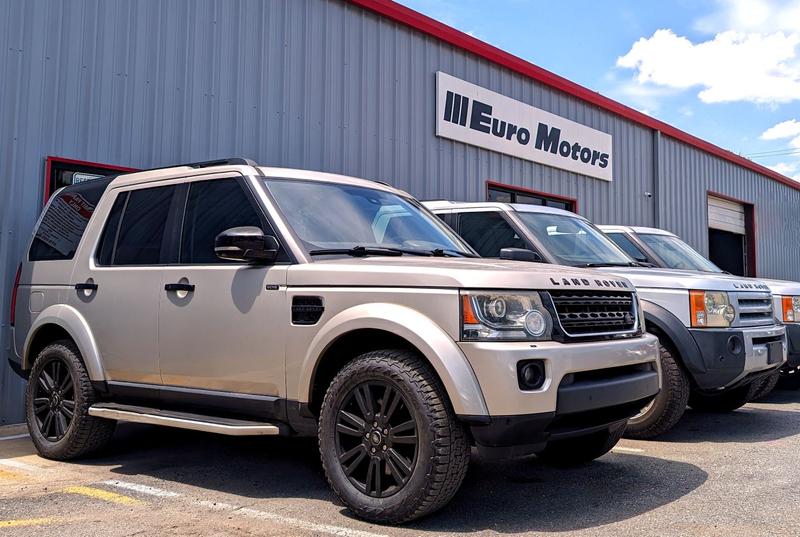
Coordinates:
727	71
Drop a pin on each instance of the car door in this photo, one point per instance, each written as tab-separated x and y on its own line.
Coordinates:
222	328
117	281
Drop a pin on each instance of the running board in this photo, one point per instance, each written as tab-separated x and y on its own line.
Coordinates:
182	420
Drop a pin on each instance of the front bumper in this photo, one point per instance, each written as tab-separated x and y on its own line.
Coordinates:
734	356
793	342
588	386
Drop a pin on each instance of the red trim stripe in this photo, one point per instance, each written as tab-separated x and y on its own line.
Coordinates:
418	21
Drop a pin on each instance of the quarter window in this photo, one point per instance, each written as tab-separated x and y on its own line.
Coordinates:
212	207
488	233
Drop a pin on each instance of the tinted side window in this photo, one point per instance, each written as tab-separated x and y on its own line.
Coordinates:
67	216
141	231
212	207
108	238
488	233
627	246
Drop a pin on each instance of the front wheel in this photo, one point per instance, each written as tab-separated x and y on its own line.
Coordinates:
663	412
390	443
766	386
57	403
581	449
727	401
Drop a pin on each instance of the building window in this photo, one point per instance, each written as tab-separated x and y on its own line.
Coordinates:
61	172
508	194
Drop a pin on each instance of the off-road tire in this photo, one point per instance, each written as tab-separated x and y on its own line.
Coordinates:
766	386
727	401
668	406
442	447
581	449
84	434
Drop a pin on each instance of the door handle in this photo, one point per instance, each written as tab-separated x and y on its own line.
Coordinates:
188	287
86	286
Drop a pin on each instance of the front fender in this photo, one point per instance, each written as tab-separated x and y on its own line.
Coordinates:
429	339
680	338
75	325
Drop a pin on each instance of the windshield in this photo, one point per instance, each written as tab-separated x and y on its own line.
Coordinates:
333	216
676	254
573	241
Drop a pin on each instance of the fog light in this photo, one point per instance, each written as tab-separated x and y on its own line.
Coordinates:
530	374
735	345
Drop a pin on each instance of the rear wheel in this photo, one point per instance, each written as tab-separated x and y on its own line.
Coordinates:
582	449
390	443
727	401
58	398
668	407
766	386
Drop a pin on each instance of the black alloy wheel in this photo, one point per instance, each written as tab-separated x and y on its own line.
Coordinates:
54	399
377	440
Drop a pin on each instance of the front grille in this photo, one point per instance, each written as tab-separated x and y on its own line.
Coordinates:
753	309
595	313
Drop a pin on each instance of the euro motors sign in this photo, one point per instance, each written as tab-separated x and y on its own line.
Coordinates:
476	116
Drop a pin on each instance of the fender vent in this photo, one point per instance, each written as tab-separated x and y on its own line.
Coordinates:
306	309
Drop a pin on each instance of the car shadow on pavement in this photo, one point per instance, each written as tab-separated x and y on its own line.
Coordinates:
755	422
505	496
528	496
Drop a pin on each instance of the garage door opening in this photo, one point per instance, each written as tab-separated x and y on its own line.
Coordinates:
731	238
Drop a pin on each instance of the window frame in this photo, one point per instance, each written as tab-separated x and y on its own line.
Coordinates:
515	190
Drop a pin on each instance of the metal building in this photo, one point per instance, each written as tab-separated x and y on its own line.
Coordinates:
360	87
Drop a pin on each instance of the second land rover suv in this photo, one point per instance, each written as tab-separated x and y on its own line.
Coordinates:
718	336
232	298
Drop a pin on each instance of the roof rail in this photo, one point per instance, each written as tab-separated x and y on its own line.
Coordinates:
235	161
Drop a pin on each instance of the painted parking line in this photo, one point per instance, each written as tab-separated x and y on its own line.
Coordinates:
14	437
5	475
27	522
142	489
624	449
289	521
19	465
100	494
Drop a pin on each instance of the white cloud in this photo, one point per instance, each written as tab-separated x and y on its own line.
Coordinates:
784	129
733	66
762	16
785	168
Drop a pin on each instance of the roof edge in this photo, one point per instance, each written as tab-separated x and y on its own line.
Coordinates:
427	25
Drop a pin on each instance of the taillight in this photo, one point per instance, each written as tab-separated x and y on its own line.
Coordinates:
14	295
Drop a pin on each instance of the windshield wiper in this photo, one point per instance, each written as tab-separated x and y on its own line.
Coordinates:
608	264
363	251
445	252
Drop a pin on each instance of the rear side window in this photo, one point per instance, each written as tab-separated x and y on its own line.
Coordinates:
627	245
135	228
62	225
212	207
488	233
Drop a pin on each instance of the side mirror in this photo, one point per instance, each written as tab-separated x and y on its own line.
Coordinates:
520	254
246	243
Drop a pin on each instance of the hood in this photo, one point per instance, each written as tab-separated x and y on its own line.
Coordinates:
783	287
473	273
659	278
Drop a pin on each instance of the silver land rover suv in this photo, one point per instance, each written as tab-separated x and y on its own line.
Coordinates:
231	298
718	336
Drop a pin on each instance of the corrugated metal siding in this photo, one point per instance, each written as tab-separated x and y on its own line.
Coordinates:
316	84
689	174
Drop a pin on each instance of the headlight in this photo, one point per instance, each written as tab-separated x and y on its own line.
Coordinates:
710	309
791	309
504	316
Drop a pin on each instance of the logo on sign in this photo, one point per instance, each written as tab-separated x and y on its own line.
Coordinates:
480	117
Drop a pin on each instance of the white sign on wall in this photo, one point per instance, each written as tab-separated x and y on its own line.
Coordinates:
476	116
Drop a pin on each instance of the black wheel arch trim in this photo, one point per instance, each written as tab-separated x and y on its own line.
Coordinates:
678	337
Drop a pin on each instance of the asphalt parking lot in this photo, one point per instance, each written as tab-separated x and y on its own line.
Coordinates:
729	474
